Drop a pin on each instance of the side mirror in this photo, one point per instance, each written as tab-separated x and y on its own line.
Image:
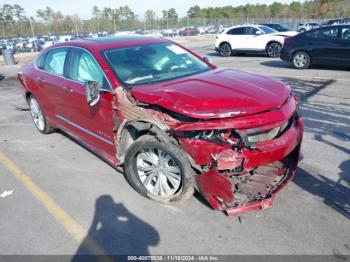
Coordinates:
208	59
258	33
92	93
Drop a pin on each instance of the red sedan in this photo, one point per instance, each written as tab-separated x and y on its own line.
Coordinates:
171	119
189	31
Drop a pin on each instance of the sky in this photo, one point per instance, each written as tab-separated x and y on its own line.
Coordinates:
83	8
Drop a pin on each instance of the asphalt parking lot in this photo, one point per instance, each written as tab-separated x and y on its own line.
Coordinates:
65	196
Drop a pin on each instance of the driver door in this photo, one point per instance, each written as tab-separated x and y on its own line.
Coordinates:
92	124
254	36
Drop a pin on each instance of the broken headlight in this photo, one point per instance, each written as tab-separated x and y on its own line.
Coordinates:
215	136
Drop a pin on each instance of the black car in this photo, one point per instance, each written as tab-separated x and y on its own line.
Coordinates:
326	45
338	21
2	46
278	27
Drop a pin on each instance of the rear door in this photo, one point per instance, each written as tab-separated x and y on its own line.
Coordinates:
92	124
236	37
345	44
324	45
51	80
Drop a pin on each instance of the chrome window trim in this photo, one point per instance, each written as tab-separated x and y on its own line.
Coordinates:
109	90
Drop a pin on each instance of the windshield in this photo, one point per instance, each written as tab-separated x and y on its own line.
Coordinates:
285	27
267	30
146	64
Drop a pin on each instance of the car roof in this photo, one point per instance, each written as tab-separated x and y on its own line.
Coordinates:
105	43
247	25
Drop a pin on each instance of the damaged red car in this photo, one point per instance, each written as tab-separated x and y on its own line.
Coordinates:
172	120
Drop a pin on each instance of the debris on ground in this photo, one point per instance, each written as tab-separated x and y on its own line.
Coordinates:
7	193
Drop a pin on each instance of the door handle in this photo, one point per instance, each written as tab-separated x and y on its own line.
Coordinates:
41	80
67	90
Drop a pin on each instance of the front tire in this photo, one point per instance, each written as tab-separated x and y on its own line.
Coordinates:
159	170
225	50
38	116
273	49
301	60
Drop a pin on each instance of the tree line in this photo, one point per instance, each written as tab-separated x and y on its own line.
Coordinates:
307	9
15	21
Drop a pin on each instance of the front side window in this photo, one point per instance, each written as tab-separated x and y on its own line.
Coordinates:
324	34
83	68
54	62
251	31
345	34
146	64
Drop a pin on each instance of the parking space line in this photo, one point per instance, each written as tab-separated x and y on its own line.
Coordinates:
70	225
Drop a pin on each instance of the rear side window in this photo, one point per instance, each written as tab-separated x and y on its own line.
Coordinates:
54	62
40	61
236	31
324	34
345	34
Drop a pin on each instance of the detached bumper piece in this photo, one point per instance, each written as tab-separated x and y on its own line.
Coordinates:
240	193
247	181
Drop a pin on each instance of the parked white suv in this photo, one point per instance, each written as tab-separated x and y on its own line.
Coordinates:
308	26
250	38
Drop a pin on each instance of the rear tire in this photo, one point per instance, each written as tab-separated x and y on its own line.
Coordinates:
159	170
225	50
273	49
301	60
38	116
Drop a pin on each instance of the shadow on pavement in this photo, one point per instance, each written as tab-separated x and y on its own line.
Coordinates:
324	118
305	89
333	194
2	77
278	64
115	231
240	54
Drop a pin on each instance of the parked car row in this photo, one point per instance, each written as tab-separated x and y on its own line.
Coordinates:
329	45
20	44
28	44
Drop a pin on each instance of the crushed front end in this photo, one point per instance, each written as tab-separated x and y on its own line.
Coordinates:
242	162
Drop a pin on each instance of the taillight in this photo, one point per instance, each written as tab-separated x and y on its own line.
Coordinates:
288	41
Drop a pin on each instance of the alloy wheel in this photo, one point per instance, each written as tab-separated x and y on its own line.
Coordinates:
274	50
225	50
37	114
158	172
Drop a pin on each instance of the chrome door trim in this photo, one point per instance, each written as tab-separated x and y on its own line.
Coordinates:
84	129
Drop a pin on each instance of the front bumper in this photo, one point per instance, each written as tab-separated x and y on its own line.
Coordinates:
262	172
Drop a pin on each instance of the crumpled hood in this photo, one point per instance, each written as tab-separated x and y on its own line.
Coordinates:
217	93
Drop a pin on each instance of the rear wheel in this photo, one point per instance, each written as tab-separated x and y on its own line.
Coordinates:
273	49
225	50
159	171
301	60
38	116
